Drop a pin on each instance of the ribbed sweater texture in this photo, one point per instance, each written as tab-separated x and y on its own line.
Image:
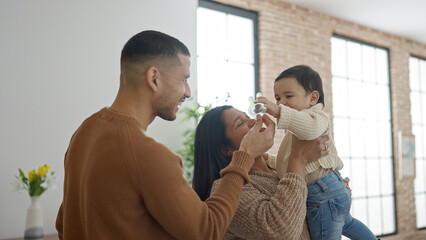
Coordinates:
306	124
121	184
270	208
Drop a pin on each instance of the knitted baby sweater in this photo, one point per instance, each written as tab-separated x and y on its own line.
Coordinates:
306	124
270	208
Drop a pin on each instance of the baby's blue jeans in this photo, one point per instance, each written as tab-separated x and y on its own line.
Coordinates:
328	205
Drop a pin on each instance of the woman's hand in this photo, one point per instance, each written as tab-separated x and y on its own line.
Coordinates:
304	152
346	181
258	140
310	151
271	108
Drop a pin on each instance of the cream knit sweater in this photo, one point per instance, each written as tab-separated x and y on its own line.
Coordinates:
270	208
306	124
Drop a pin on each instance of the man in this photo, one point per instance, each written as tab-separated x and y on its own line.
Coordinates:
121	184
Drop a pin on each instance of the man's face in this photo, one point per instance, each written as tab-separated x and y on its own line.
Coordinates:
175	88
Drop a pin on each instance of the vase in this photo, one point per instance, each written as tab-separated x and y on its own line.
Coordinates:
34	222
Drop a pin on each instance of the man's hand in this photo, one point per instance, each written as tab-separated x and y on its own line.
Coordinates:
271	108
258	140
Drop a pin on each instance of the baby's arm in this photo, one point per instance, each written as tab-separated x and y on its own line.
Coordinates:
307	124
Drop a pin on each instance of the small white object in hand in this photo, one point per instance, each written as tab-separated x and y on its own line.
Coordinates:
252	111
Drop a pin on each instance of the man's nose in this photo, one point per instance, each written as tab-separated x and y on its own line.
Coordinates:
187	90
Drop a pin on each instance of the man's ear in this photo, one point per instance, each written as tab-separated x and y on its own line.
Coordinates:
314	98
152	76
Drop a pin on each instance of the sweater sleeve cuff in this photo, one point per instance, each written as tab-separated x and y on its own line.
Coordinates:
285	116
294	176
240	164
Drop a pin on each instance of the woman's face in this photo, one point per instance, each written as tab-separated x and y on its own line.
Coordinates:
237	125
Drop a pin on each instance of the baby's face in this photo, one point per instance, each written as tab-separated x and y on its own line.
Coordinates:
290	93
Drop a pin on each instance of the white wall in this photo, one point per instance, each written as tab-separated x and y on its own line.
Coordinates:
59	63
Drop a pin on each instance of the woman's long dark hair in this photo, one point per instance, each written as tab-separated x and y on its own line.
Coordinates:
209	158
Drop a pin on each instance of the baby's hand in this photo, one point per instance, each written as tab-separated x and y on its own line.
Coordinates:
271	108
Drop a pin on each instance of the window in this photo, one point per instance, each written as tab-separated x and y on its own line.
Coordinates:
362	130
227	54
418	120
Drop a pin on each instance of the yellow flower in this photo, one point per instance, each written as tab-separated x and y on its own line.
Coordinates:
42	171
31	175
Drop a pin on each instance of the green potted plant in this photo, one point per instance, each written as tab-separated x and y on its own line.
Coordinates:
192	114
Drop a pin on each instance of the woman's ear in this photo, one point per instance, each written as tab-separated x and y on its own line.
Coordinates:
228	151
152	75
314	98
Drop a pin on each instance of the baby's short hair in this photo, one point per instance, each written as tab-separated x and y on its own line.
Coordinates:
308	78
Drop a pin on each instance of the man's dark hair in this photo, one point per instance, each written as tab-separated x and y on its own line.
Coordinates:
148	44
308	78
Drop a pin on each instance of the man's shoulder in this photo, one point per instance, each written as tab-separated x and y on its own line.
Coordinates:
148	146
141	137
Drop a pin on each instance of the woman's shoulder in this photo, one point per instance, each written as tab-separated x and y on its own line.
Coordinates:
256	178
215	185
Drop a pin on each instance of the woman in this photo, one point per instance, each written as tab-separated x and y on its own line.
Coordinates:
269	208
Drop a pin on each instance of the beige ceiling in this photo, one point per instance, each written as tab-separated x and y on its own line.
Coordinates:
405	18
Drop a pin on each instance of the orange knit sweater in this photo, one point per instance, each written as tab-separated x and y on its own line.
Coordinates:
121	184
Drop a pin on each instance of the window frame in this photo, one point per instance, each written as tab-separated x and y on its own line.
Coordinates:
228	9
392	146
423	124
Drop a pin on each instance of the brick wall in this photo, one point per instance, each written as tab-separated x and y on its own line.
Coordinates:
291	35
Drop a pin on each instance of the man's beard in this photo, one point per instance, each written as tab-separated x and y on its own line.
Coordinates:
166	113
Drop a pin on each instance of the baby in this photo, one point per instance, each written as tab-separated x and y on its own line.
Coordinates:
298	109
